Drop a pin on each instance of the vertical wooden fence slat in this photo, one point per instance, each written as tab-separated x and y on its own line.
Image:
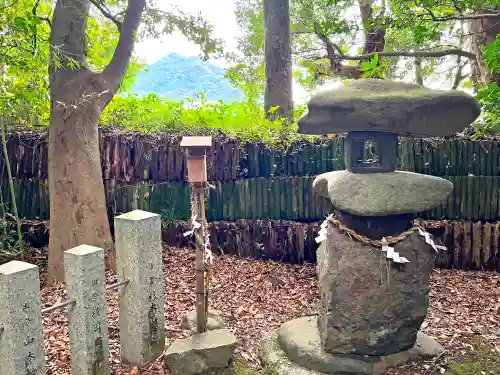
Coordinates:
477	243
486	261
458	241
496	245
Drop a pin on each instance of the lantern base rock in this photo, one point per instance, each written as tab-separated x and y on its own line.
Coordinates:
296	349
369	304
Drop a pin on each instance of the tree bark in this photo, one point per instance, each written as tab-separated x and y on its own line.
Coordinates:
374	42
374	30
484	32
77	202
278	59
78	96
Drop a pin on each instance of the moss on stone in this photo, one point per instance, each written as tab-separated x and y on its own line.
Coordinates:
238	366
389	106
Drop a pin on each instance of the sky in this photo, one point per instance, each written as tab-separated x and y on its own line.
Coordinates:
220	13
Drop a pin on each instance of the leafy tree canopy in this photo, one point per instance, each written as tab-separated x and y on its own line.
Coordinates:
453	42
25	27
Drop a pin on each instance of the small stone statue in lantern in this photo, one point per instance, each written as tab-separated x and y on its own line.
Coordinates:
374	267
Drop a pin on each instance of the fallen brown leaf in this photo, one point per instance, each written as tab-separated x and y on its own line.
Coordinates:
462	306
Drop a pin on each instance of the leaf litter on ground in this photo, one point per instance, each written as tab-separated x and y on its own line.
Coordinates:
255	297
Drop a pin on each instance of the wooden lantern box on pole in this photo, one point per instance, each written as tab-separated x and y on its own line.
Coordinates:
196	148
196	157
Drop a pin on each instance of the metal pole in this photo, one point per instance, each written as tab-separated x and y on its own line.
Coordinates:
117	285
58	306
199	211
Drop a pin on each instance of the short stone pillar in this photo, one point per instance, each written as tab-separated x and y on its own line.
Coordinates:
139	260
21	325
88	316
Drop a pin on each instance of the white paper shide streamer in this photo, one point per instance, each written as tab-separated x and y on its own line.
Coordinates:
322	232
429	240
391	254
206	248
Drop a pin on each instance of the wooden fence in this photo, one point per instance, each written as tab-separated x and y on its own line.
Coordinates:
253	181
470	245
131	157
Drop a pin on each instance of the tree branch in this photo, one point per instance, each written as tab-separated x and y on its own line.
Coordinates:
334	52
106	12
470	16
115	71
35	10
441	53
9	5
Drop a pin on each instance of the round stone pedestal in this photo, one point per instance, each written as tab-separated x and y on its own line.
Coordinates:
295	349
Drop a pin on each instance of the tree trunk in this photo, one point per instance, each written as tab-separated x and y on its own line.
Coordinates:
77	202
484	32
78	96
278	59
374	41
374	30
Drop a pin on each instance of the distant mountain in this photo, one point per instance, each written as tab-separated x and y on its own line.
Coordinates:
177	77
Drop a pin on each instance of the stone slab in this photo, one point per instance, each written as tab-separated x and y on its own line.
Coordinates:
199	353
213	322
295	349
381	194
141	304
389	106
21	339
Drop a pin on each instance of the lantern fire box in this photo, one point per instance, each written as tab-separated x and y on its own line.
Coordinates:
196	148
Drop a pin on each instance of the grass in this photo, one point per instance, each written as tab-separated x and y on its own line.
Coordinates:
484	360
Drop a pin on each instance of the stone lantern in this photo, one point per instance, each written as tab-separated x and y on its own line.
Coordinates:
373	266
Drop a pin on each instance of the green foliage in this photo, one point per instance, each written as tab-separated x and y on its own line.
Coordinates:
374	68
408	26
25	50
492	55
9	243
155	114
489	97
25	82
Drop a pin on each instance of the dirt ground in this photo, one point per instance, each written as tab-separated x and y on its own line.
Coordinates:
255	297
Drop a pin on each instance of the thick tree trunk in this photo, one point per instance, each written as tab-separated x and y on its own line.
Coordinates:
278	59
78	96
375	32
77	201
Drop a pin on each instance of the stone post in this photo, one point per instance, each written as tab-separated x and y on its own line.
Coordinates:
139	260
21	331
88	317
